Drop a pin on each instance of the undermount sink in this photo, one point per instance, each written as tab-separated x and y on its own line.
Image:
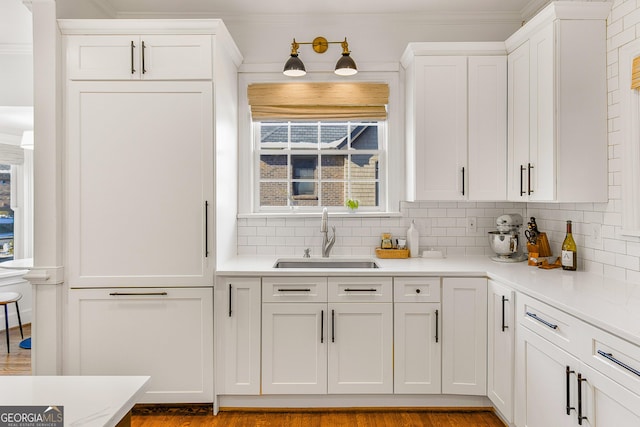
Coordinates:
325	263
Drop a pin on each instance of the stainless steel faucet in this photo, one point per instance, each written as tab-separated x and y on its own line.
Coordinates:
327	243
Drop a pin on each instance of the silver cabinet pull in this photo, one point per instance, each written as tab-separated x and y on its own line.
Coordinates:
544	322
610	357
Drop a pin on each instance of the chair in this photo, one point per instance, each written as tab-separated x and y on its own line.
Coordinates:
7	298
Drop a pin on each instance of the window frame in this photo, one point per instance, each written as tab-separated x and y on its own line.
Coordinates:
393	184
630	128
318	152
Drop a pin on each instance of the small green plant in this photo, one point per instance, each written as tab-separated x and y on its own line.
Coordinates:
352	203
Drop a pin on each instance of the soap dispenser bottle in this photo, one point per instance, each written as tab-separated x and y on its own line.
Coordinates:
413	240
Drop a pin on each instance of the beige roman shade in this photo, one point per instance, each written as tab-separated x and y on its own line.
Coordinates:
318	101
635	73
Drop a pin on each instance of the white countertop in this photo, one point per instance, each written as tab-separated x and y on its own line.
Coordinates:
607	303
87	400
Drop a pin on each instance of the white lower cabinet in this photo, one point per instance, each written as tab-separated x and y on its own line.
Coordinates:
545	386
238	335
315	344
561	377
500	347
417	356
166	333
605	403
294	348
417	345
361	348
464	335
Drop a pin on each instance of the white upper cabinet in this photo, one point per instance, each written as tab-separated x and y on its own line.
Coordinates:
456	121
557	105
487	141
136	56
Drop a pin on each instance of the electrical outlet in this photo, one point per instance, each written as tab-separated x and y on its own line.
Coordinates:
472	223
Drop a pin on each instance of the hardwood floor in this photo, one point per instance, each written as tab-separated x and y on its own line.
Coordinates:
327	418
18	362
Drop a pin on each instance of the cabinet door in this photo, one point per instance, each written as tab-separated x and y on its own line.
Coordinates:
140	184
294	348
542	139
518	122
500	354
545	383
238	343
487	145
134	57
606	403
114	57
416	348
176	57
464	336
164	333
360	348
441	127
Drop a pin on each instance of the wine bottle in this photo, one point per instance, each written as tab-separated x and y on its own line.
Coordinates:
569	251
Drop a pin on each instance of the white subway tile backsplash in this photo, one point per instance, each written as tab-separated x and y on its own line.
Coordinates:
442	224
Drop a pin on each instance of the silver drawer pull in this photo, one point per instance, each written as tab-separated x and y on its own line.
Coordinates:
544	322
610	357
293	290
359	290
146	294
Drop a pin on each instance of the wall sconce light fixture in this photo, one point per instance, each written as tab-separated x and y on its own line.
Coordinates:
294	67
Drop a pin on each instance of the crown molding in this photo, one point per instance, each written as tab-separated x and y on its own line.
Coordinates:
435	18
16	49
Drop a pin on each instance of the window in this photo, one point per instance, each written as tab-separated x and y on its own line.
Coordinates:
315	164
6	214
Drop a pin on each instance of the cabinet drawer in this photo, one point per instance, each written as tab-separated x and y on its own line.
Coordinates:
416	289
294	289
556	326
357	289
616	358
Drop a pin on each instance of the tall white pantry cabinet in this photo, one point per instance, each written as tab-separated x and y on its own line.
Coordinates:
140	140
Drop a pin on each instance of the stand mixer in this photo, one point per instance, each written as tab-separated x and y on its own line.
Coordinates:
506	241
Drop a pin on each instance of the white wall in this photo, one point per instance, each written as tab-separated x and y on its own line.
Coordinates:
16	61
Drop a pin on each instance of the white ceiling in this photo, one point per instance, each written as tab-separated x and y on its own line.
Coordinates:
226	8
